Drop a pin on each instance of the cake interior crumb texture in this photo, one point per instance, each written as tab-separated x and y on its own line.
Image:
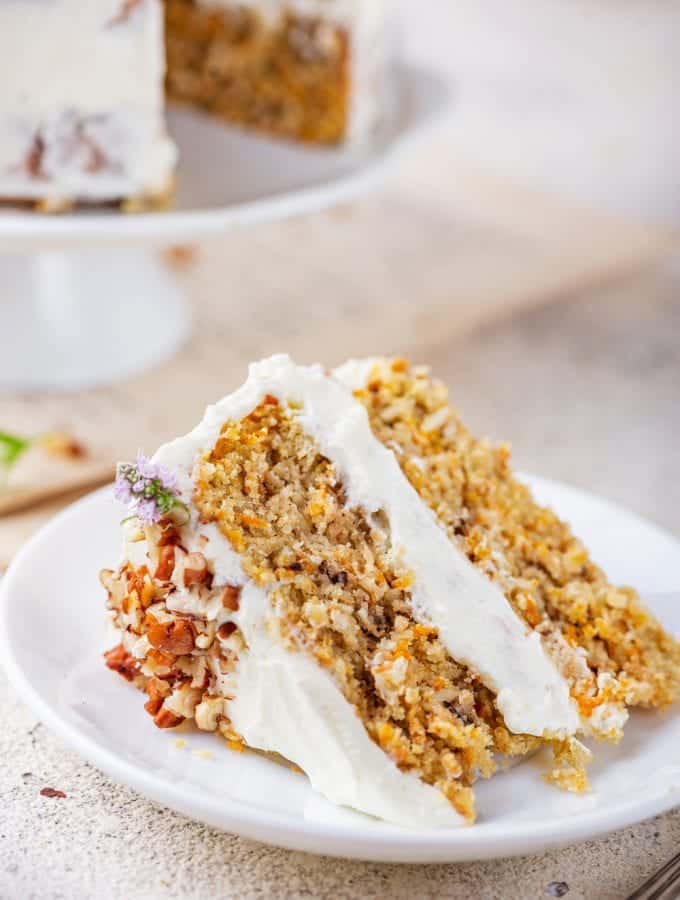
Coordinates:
289	78
545	571
339	593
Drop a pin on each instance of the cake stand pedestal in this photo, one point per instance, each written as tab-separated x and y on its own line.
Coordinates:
85	298
75	318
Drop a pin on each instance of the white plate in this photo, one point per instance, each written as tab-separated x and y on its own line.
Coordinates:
51	636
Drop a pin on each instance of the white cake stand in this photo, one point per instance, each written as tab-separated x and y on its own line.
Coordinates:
84	298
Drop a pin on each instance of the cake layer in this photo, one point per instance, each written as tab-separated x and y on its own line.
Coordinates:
367	23
304	69
81	102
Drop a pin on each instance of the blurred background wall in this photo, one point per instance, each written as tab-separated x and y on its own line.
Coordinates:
580	96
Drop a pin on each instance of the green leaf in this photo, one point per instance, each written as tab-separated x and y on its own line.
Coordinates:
12	447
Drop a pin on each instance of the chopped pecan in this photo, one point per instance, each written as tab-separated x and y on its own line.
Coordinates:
183	700
166	563
195	569
157	690
226	658
139	581
226	630
176	637
166	719
136	578
201	678
96	158
52	792
205	634
161	664
119	660
114	585
106	577
230	597
127	7
169	535
152	705
33	161
208	713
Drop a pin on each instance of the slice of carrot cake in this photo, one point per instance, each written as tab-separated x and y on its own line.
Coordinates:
331	568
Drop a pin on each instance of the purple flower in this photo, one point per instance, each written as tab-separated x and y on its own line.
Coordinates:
147	511
151	471
167	478
145	468
149	490
123	490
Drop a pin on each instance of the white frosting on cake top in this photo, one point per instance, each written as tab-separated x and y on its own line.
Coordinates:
86	80
284	701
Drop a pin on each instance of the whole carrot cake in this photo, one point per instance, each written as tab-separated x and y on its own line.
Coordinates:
332	568
83	101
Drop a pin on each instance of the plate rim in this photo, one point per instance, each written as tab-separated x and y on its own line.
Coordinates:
485	840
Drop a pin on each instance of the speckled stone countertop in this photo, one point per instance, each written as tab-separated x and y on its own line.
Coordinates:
588	390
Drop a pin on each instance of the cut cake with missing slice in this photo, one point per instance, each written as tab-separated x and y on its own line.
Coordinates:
84	87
